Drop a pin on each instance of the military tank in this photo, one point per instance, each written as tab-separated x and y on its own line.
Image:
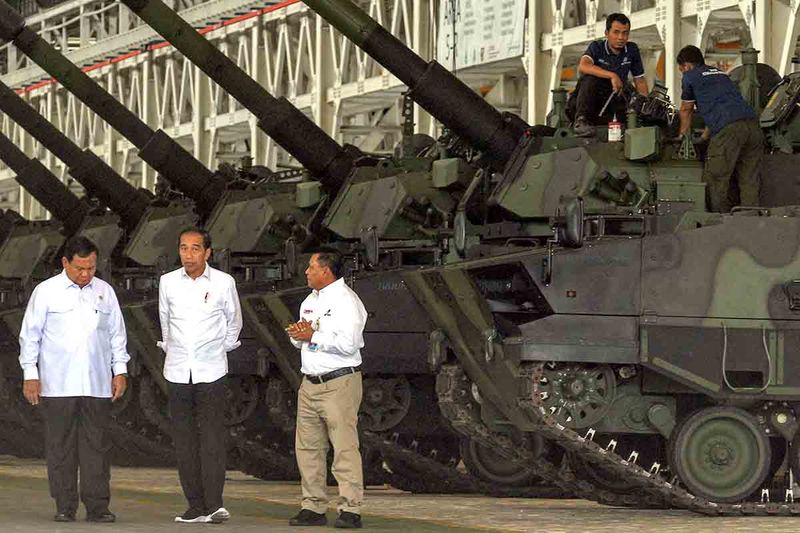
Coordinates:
651	333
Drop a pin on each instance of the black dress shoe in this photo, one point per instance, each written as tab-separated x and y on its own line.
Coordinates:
106	517
64	517
347	520
306	517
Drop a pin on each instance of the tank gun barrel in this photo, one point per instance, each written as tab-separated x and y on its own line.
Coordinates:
277	117
99	179
161	152
435	89
44	186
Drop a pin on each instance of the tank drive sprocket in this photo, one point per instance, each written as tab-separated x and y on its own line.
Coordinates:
578	395
385	403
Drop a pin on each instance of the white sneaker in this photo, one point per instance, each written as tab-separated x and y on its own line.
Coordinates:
219	516
192	517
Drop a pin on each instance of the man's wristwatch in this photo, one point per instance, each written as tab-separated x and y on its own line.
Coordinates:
125	375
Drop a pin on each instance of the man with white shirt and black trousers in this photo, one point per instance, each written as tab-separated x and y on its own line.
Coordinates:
330	335
74	361
200	323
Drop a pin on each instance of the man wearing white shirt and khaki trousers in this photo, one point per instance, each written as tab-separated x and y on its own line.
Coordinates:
74	360
200	323
330	335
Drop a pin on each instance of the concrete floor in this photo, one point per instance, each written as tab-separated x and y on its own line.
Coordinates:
146	500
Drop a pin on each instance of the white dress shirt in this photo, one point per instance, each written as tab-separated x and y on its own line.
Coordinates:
200	323
338	318
72	338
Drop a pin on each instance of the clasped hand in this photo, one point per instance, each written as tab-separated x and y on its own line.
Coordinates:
300	331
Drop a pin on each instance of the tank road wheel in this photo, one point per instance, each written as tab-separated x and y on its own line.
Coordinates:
488	465
241	397
578	395
385	403
721	454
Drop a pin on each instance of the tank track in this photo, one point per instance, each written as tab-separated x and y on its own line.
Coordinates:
652	489
651	483
423	474
453	390
260	459
413	471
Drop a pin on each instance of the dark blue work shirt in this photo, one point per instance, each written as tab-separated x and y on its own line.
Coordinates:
716	97
629	60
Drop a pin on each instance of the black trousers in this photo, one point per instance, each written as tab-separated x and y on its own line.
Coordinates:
198	421
590	96
76	435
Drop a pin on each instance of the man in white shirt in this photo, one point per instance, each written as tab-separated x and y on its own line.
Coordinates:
200	323
330	335
73	353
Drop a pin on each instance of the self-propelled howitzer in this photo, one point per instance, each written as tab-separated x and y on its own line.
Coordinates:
29	245
45	187
155	236
277	117
127	205
648	334
535	168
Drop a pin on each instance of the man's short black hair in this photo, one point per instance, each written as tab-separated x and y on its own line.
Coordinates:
80	246
691	54
331	258
200	231
617	17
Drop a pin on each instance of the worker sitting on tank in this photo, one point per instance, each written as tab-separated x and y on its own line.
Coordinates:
737	142
604	69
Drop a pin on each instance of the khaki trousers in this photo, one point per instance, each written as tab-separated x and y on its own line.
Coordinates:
329	411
